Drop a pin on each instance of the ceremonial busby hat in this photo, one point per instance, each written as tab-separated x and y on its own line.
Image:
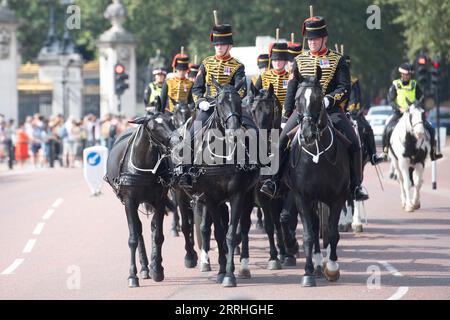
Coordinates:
180	62
314	27
279	51
222	34
294	50
263	61
193	70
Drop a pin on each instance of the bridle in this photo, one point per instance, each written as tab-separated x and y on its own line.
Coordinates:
223	122
275	108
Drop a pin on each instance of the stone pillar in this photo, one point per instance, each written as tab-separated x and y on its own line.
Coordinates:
9	62
117	45
61	64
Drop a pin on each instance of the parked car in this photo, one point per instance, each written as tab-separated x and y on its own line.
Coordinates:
378	117
444	120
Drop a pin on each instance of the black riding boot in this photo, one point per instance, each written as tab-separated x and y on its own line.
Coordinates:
370	140
434	155
270	187
356	177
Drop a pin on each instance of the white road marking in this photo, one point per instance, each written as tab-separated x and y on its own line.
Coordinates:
48	214
401	291
37	231
391	269
29	246
13	266
57	203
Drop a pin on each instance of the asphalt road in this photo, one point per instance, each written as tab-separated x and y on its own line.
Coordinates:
57	242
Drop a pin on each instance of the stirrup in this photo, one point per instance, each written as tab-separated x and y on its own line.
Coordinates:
363	194
267	190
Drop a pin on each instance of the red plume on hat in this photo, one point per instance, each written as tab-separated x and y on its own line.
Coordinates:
178	56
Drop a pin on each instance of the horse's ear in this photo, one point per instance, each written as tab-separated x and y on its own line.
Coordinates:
318	74
253	89
158	104
240	84
140	120
216	84
174	102
270	90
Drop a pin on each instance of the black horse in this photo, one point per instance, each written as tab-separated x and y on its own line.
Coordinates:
214	185
266	111
138	170
318	172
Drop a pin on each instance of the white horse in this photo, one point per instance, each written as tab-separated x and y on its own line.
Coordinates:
409	147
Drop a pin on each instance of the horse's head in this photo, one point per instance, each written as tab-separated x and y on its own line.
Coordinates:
309	102
266	109
181	113
229	104
415	119
160	128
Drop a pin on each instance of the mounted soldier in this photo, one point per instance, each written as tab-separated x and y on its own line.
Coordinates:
178	88
294	49
403	92
278	77
263	66
335	82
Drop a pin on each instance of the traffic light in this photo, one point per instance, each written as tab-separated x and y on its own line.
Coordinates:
120	78
422	72
435	75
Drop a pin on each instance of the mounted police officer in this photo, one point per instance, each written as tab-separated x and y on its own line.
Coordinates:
154	88
354	108
178	88
403	90
336	86
277	76
263	66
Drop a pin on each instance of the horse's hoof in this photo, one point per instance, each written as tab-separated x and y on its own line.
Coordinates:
145	274
318	272
332	276
229	282
220	277
205	267
416	206
133	283
244	274
157	276
409	208
237	251
274	265
281	257
308	281
357	228
190	263
290	261
174	233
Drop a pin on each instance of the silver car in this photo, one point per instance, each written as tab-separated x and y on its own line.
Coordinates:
378	117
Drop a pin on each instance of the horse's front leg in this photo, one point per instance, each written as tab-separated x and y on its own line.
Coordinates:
190	260
306	210
418	181
237	203
205	229
215	213
404	165
135	230
157	270
245	223
332	267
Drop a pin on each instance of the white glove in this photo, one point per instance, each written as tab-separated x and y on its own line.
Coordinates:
326	102
204	105
283	125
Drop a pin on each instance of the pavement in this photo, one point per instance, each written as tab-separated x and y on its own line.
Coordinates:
57	242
